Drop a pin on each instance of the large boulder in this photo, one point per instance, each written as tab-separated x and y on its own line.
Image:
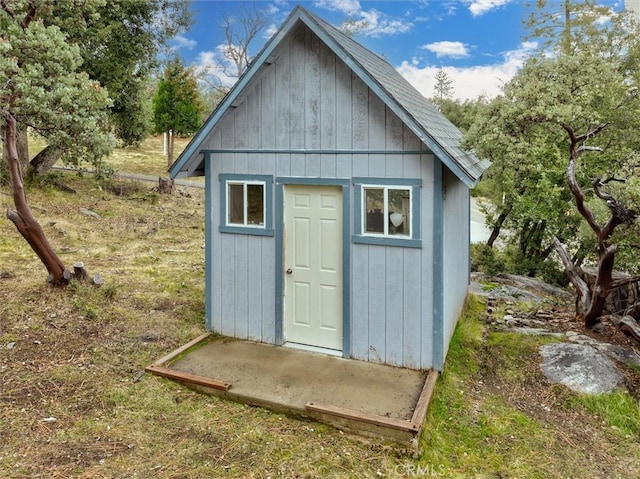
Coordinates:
580	367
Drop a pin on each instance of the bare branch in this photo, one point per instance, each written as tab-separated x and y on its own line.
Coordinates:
5	6
29	16
584	210
574	272
624	282
584	148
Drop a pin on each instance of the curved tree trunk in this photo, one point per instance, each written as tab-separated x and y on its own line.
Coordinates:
44	161
22	217
22	147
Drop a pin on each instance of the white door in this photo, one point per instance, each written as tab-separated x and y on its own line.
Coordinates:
313	266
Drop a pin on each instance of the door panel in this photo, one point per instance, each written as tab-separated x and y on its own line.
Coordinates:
313	265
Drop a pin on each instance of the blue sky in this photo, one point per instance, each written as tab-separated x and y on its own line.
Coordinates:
479	43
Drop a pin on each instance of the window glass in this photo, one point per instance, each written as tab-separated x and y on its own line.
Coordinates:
387	210
374	207
235	203
255	204
398	216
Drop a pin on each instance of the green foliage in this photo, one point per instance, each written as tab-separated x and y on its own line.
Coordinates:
176	104
522	133
487	260
42	86
494	261
120	42
462	113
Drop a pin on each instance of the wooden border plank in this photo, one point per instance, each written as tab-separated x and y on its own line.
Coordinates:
353	415
180	350
189	378
420	412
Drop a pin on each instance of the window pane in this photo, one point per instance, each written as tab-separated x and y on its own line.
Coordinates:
399	217
255	209
374	207
235	204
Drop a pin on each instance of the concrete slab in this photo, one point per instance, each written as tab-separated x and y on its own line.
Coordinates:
362	397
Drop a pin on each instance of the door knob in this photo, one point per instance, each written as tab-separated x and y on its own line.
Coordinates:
289	271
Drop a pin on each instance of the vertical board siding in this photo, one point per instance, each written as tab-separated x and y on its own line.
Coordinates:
360	301
311	91
240	278
412	311
427	260
309	99
328	105
394	303
456	238
377	284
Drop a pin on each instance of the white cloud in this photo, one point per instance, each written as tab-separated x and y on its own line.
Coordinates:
348	7
270	31
376	23
469	82
180	41
447	49
480	7
214	69
368	23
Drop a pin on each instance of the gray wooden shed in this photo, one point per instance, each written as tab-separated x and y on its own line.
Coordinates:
337	204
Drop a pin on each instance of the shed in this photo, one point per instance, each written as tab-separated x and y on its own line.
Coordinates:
337	204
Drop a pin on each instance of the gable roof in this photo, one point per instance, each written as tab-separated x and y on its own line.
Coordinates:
428	124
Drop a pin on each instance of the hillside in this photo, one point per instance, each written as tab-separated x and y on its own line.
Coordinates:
74	401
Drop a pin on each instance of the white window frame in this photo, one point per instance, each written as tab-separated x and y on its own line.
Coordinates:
385	212
266	181
360	236
245	203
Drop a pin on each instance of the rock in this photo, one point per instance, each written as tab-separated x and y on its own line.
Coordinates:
88	212
536	332
580	367
614	351
11	345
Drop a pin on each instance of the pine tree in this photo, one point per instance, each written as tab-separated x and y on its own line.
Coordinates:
443	88
176	105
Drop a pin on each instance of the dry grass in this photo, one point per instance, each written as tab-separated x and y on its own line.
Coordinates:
74	404
70	405
147	158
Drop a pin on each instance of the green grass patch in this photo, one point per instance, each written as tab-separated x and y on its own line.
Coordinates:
619	410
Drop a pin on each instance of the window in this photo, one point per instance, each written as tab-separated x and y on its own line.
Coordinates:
387	211
246	204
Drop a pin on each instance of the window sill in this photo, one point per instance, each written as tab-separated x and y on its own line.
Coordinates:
246	230
387	241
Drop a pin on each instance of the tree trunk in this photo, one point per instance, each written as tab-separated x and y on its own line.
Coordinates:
170	148
22	147
23	218
44	161
495	232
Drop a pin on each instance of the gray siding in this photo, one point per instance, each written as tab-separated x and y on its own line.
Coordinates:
457	251
309	99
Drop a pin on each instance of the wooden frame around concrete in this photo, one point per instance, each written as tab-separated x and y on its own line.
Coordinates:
366	424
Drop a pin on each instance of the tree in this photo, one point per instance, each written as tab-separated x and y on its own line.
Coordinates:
528	174
42	87
119	43
443	89
176	104
240	31
548	120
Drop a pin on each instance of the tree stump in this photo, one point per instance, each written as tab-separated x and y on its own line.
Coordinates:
165	186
